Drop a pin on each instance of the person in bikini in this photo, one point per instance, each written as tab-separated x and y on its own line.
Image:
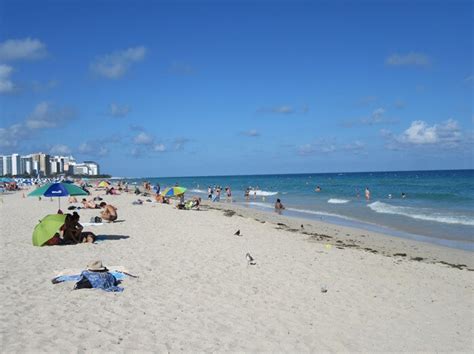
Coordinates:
88	205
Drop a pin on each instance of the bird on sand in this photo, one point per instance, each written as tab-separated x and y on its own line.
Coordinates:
250	259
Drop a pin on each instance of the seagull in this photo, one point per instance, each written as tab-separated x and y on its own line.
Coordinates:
250	260
237	233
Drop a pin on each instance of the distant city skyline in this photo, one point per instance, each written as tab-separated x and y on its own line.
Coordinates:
240	88
39	164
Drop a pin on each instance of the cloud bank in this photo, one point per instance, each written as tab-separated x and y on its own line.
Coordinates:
22	49
116	64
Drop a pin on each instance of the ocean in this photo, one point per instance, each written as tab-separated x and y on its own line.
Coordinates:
438	206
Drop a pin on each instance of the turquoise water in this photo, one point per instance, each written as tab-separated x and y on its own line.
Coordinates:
438	207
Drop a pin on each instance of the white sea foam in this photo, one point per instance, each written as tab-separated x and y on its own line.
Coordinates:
320	213
260	193
198	191
337	201
305	211
420	214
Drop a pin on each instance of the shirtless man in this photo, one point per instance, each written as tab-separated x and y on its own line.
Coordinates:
109	213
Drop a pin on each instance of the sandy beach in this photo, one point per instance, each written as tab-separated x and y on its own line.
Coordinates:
195	291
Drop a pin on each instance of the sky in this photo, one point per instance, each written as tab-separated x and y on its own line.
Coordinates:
189	88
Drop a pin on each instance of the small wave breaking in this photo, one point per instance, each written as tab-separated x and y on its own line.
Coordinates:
260	193
337	201
195	190
303	211
420	214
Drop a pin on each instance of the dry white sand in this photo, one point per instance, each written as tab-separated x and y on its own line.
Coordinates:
195	291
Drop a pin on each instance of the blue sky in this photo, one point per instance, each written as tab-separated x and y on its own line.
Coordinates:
239	87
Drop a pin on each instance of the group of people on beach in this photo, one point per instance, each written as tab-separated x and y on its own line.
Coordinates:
71	232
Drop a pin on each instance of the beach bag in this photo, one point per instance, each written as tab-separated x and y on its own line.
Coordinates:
96	219
83	283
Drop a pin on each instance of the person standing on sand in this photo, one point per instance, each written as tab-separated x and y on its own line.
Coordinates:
367	193
209	193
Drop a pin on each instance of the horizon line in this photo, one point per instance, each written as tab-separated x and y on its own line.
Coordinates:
295	173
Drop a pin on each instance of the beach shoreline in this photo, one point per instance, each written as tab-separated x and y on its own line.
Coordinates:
320	288
357	238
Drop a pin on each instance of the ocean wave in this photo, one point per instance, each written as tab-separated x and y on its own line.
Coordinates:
198	191
420	214
337	201
304	211
320	213
260	193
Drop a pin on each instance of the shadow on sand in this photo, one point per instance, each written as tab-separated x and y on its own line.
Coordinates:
111	237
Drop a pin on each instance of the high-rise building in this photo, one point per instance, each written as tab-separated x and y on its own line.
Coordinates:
81	169
44	164
26	165
16	170
57	165
93	167
7	165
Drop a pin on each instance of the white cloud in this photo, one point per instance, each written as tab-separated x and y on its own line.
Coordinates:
118	111
60	149
47	116
399	104
251	133
39	86
277	109
327	147
18	49
446	134
180	142
376	117
116	64
43	116
12	135
6	85
283	109
93	148
409	59
419	133
143	139
159	147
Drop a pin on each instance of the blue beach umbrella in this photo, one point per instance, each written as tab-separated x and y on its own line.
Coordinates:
58	190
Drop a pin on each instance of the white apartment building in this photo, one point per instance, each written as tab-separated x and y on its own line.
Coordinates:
44	165
16	168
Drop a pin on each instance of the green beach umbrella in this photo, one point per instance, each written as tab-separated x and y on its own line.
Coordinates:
173	191
46	228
